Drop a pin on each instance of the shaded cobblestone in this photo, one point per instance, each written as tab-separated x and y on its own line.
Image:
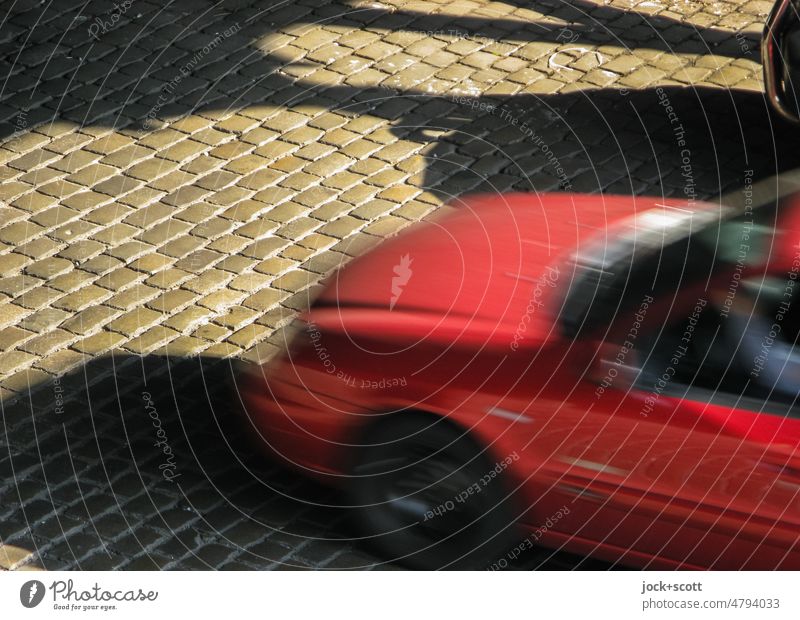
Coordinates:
139	257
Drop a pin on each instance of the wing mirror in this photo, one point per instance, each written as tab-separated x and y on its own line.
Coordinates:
780	58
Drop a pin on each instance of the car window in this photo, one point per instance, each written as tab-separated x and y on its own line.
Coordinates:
709	356
649	254
693	347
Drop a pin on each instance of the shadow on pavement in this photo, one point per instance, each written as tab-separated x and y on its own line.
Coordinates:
674	141
178	60
87	478
83	485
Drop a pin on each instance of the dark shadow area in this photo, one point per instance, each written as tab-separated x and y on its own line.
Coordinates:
88	480
159	63
77	64
690	143
632	29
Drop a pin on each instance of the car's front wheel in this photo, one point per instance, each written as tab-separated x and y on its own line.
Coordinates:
427	496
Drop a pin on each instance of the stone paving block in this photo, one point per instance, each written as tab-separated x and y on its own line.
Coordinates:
229	245
297	253
127	156
198	261
184	195
182	346
211	332
236	318
55	216
70	281
172	181
10	336
151	263
11	314
249	282
107	214
189	318
11	264
264	248
217	180
326	262
133	296
222	350
214	229
86	296
20	232
40	248
44	319
75	161
222	299
172	300
294	281
168	278
49	268
130	250
263	300
135	321
61	361
84	201
46	343
99	343
14	360
89	320
236	264
59	189
110	143
118	279
101	264
181	247
33	159
118	185
162	234
150	340
25	380
34	202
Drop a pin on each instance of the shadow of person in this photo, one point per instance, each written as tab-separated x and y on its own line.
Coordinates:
690	143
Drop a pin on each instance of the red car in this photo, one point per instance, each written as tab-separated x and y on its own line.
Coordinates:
610	376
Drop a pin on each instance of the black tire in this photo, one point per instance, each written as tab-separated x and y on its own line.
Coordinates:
410	485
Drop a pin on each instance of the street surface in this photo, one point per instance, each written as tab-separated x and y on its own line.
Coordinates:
177	177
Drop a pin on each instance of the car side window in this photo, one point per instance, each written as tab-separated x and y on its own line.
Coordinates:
747	358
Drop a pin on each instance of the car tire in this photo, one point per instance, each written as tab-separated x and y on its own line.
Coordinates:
410	489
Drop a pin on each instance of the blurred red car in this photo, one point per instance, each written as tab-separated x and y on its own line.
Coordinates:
564	370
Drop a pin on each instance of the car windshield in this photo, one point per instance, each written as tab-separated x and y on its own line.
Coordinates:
662	251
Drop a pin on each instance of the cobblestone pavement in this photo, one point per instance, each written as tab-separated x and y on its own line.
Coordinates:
177	176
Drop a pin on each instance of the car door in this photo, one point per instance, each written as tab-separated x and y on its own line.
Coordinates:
592	451
762	515
691	476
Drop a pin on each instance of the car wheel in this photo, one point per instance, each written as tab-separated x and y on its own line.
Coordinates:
411	488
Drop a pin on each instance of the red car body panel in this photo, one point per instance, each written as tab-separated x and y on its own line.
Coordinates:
474	336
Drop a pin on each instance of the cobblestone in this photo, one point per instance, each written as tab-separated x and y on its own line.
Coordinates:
143	257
